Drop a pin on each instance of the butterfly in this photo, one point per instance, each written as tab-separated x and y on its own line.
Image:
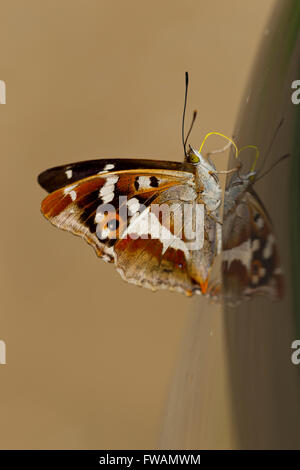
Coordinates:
85	199
110	204
250	255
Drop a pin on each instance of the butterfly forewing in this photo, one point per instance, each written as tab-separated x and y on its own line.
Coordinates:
60	176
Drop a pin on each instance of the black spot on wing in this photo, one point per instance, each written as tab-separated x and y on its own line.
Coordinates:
153	182
62	175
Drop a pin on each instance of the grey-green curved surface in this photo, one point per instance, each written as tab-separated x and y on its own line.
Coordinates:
265	387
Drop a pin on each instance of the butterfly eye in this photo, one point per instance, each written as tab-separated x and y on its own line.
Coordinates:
192	157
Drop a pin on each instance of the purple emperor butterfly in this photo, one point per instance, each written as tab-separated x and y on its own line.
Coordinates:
108	203
81	195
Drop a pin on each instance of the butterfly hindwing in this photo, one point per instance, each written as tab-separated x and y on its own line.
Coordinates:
155	254
171	260
251	264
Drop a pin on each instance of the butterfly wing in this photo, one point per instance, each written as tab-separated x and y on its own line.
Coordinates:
171	260
118	231
63	175
250	258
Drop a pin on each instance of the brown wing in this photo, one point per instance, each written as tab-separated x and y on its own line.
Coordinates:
63	175
250	257
157	256
160	253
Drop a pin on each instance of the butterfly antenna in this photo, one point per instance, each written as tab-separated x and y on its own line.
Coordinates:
184	110
271	145
273	166
190	130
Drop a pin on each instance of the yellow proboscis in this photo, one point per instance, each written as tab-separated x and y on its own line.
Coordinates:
237	152
256	156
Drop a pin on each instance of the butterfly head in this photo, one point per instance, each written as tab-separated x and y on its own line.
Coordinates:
241	181
204	166
192	156
195	157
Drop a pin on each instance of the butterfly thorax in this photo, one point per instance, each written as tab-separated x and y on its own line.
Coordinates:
206	181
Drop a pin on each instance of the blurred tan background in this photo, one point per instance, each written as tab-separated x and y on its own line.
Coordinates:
90	359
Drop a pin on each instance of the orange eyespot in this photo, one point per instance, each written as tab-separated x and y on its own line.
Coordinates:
111	226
